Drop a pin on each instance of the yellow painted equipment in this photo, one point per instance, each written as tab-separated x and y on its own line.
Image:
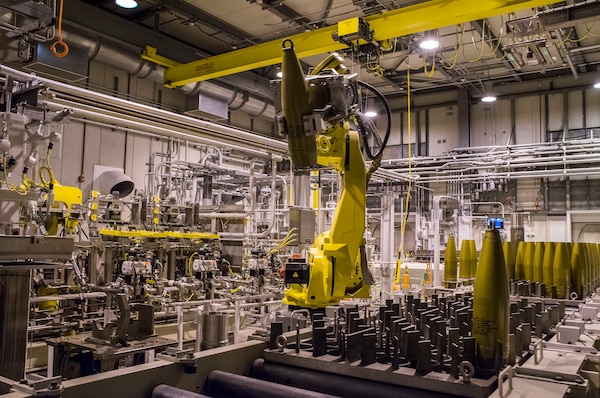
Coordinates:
68	197
450	263
561	270
398	272
158	234
548	265
509	260
50	305
538	262
336	266
491	306
406	279
385	26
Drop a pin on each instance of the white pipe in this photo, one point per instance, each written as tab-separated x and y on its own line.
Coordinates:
179	328
146	110
139	125
236	330
61	297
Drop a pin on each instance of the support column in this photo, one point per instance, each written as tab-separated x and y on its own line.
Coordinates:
464	118
387	241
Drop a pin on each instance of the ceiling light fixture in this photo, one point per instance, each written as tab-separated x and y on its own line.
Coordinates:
126	3
488	93
429	44
370	113
597	82
430	41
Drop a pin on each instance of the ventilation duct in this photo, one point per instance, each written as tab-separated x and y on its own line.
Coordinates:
72	68
108	53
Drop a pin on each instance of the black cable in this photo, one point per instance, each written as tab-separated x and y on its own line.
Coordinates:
361	127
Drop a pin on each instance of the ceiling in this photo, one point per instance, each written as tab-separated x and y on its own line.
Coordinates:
557	40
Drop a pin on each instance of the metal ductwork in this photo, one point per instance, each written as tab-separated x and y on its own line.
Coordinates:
109	53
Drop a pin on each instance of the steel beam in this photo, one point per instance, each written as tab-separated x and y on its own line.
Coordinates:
401	22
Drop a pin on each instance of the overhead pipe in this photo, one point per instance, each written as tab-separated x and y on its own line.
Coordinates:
259	147
146	110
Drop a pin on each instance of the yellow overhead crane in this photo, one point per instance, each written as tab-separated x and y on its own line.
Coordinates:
380	29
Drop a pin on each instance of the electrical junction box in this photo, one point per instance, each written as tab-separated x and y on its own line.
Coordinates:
297	270
304	221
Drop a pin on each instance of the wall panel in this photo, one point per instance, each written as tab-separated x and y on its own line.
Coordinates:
575	110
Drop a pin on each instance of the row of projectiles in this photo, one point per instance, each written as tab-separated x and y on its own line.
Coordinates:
569	270
564	269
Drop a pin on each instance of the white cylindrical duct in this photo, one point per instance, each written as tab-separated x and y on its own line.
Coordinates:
108	53
114	181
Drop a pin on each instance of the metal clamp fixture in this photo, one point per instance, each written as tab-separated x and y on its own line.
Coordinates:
184	357
39	386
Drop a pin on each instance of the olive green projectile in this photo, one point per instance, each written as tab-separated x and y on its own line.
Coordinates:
538	262
295	104
561	271
596	266
588	268
548	264
473	258
520	261
464	270
528	260
450	263
491	304
577	267
509	260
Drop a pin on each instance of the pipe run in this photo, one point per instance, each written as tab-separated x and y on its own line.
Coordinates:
146	112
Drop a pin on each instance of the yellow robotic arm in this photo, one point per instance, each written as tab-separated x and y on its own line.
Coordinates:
336	266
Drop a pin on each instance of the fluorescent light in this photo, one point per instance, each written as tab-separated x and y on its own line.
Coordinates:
429	44
597	84
280	74
370	113
126	3
489	98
